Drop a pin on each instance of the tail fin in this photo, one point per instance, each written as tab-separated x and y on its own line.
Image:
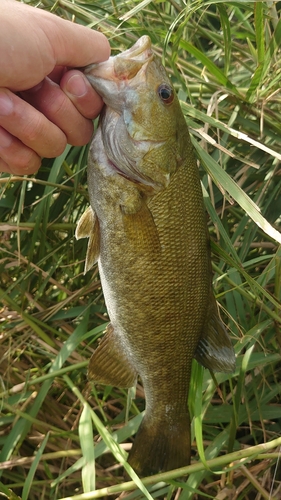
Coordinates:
161	445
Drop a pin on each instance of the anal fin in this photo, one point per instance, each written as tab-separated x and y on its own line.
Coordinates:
214	349
110	365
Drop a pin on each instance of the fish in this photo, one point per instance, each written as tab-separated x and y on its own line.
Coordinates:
147	231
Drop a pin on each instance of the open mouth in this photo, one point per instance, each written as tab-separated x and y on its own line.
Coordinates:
125	65
141	50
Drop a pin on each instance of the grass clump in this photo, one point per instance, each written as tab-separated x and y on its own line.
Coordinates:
60	440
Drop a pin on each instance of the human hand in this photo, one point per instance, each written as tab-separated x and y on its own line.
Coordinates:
43	104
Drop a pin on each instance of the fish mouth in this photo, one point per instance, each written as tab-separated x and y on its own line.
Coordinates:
122	67
142	44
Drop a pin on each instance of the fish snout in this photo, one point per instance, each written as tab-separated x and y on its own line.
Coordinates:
122	67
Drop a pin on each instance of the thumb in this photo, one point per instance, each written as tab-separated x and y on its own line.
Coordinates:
75	45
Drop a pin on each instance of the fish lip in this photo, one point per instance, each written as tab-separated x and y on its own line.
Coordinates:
142	45
114	68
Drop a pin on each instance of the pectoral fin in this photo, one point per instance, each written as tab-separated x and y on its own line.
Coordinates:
88	227
110	365
214	349
140	228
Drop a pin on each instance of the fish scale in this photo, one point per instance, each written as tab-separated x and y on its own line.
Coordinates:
147	231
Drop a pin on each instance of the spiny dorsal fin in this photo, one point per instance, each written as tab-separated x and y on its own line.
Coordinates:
110	365
214	349
88	227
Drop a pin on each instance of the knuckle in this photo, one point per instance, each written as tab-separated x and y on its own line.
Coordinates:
82	134
34	128
56	148
26	162
46	138
4	167
59	105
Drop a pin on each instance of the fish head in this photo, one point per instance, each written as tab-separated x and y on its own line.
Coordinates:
143	129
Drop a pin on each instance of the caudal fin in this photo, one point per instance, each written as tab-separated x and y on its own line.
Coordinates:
161	445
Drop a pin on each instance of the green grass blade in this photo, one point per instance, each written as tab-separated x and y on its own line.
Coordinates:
195	403
227	38
22	426
212	68
114	447
85	430
28	482
7	493
223	179
259	26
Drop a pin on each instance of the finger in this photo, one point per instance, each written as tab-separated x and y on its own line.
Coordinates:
81	93
57	74
15	157
30	126
66	36
59	109
42	41
4	167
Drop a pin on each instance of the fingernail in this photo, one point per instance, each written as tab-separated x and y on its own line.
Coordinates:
6	105
5	137
76	86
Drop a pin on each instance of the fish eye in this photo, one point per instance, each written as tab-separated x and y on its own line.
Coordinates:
165	93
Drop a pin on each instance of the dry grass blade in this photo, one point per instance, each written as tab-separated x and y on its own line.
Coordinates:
224	61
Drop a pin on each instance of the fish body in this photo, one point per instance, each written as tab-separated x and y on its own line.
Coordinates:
147	230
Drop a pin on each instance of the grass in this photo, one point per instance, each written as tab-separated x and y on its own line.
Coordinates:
59	439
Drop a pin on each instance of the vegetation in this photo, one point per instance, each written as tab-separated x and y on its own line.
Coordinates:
58	435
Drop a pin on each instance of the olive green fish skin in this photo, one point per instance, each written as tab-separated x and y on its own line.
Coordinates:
153	258
156	298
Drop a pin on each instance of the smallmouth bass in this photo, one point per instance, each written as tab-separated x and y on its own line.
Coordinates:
147	231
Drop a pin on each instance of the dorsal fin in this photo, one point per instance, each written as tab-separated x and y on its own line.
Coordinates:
214	349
